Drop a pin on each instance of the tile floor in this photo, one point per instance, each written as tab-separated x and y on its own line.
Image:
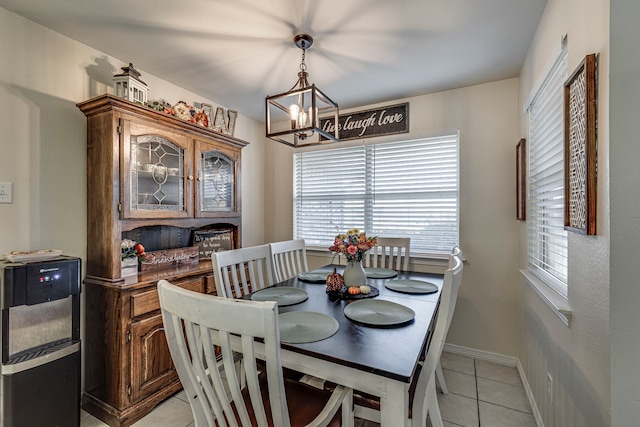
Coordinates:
481	394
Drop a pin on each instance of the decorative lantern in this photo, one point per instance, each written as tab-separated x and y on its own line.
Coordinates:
129	86
293	117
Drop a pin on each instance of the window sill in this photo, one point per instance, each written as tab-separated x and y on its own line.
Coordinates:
554	300
425	263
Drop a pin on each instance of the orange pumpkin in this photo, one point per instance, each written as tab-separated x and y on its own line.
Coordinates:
354	290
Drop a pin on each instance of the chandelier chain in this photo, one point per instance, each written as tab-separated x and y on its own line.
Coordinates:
303	66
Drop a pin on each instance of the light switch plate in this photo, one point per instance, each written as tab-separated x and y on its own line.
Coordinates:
6	192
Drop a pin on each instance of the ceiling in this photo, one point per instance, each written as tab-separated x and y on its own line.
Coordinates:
236	52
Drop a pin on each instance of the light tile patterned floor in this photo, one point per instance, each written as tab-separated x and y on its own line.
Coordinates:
481	394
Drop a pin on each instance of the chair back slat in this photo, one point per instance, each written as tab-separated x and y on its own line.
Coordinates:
389	252
194	324
239	272
289	258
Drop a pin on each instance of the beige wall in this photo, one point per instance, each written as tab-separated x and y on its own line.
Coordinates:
43	143
487	315
576	357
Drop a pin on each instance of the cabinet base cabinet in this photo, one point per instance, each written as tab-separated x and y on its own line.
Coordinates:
125	417
128	366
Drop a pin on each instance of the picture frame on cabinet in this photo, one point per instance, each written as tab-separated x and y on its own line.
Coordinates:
521	183
580	148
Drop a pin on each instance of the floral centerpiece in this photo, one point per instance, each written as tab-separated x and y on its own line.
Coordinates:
131	249
353	245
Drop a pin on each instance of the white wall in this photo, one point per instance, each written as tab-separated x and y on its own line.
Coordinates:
43	140
487	315
576	357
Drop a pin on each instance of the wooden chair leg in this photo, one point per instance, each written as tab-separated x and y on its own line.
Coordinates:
434	411
440	376
348	418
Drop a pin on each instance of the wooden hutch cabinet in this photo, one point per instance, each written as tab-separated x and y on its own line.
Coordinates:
155	179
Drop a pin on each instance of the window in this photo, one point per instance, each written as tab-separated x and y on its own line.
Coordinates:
397	189
547	238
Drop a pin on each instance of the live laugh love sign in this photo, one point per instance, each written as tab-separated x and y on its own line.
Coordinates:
365	124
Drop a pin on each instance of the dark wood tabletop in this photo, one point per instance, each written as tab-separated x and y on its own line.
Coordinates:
391	351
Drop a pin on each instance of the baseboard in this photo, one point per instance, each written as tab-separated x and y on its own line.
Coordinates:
532	402
482	355
502	360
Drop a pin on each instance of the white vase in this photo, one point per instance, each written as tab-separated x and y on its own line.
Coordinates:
354	274
129	267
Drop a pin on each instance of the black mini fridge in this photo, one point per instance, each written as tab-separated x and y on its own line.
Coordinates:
40	383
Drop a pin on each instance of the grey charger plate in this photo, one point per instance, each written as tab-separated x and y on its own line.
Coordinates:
409	286
379	273
378	312
312	277
297	327
283	295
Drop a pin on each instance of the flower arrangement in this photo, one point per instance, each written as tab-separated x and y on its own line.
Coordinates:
353	245
131	249
183	111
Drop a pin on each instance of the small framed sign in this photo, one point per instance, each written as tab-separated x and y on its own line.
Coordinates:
169	258
210	241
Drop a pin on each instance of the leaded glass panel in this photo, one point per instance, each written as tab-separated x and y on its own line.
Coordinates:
217	182
157	174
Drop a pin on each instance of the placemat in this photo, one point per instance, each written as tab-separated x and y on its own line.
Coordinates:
379	273
297	327
376	312
283	295
312	277
410	286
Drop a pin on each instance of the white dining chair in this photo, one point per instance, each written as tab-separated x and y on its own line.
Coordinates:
422	391
241	271
455	251
194	323
289	258
389	252
425	401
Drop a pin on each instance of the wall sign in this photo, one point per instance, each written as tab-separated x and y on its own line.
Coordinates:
212	241
366	124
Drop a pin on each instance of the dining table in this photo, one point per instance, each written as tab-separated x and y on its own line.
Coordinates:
375	357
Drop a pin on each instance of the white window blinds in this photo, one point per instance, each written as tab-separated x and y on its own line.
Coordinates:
399	189
547	239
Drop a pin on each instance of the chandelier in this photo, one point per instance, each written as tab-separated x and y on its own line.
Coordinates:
293	117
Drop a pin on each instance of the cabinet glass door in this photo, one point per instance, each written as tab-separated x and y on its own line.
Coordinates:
156	178
157	173
216	182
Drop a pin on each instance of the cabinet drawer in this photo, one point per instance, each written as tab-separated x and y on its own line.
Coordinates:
148	301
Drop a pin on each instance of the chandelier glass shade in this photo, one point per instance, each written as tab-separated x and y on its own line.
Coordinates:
304	115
